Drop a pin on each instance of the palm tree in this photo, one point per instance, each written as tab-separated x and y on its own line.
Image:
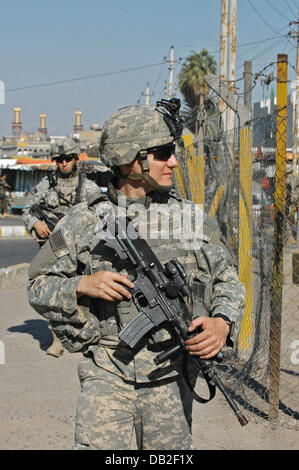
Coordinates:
191	79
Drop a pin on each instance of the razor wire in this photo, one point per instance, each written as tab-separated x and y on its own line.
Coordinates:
252	369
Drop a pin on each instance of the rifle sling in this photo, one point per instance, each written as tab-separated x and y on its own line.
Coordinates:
212	388
78	190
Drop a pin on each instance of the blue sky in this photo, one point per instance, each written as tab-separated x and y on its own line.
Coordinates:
45	42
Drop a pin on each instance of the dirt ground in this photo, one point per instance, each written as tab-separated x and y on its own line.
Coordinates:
39	394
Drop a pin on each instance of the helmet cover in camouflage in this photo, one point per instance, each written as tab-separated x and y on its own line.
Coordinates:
130	130
64	147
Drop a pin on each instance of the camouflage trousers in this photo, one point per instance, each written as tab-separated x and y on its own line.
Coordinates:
3	205
113	413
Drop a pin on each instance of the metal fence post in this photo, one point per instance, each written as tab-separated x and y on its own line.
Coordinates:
279	225
195	165
245	232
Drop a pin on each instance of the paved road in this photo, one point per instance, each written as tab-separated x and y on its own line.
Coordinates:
16	251
11	220
39	394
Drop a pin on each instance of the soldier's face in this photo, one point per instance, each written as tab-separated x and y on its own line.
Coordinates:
65	163
161	165
161	162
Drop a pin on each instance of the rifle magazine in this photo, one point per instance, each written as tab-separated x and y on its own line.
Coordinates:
136	329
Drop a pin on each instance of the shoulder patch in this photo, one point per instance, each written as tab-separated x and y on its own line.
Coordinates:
95	197
210	222
43	258
209	226
57	240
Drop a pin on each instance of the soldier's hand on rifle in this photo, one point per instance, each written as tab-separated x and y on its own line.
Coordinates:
210	340
41	229
105	285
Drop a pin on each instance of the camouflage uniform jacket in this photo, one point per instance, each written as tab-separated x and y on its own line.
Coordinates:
294	183
75	248
57	198
3	188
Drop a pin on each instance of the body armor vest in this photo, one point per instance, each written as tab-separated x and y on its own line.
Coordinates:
63	195
166	245
98	321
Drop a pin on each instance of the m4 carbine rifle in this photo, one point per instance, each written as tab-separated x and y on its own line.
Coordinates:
159	296
38	211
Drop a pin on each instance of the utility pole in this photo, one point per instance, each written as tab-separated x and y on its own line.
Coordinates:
170	76
278	238
223	55
296	97
147	94
232	61
171	61
248	84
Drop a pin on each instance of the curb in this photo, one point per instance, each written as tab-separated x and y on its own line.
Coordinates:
13	276
13	231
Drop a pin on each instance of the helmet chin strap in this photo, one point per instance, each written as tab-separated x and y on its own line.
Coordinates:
146	176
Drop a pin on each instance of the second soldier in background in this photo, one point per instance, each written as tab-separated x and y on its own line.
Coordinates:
52	198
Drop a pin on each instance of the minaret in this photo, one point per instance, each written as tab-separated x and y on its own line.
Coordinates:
78	126
17	125
42	129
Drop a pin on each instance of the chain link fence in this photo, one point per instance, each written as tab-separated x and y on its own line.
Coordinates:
244	179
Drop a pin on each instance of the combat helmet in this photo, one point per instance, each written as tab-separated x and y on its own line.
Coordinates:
64	147
138	130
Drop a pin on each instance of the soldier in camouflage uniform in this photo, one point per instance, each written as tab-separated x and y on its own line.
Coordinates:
86	289
292	199
54	196
57	192
4	186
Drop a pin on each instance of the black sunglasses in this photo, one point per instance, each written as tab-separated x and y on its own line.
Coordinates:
67	158
163	153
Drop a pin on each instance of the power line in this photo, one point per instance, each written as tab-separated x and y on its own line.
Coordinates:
277	11
263	19
290	8
274	43
238	45
266	22
265	50
262	52
261	40
296	4
253	43
158	77
274	38
88	77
